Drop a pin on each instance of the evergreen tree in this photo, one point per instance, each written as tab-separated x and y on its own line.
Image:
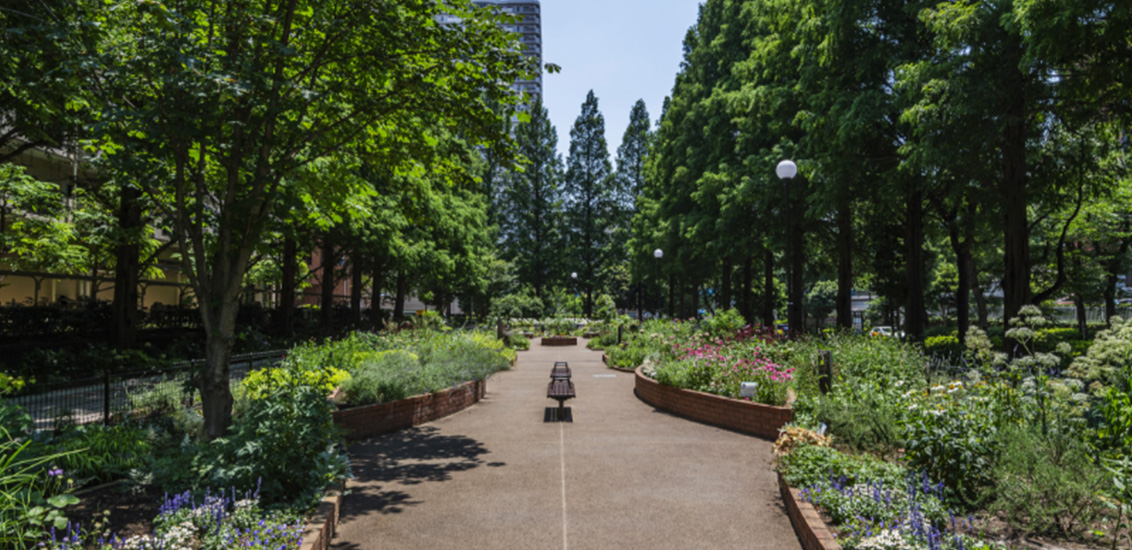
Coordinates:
630	181
631	157
589	196
532	209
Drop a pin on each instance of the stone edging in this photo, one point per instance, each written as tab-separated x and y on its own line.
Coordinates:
808	525
558	341
370	420
742	416
320	528
605	359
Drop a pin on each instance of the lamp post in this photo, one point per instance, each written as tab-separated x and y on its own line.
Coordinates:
786	170
658	254
574	279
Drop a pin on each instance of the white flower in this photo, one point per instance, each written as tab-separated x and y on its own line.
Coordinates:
886	540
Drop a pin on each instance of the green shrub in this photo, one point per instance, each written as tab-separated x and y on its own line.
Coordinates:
381	378
286	441
1045	484
947	346
520	305
723	323
689	374
810	465
98	453
630	357
519	342
952	435
862	420
424	365
1109	359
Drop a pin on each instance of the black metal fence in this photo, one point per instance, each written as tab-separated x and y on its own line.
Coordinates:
138	393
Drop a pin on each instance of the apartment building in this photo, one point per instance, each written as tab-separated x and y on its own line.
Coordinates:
529	27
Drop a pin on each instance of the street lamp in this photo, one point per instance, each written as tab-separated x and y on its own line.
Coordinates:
574	277
786	171
658	254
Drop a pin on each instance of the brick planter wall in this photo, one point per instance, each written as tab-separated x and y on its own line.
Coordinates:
320	526
559	341
741	416
370	420
808	525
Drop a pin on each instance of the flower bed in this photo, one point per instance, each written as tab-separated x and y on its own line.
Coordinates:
371	420
559	341
733	414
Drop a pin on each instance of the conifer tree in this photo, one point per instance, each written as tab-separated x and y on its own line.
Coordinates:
532	210
589	197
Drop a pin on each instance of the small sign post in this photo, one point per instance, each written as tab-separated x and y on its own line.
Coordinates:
825	371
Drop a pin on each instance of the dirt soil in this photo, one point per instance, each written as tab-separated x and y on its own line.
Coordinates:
131	509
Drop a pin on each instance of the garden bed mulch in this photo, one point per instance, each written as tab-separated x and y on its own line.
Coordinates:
131	509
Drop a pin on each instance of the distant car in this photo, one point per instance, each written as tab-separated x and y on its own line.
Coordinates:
886	331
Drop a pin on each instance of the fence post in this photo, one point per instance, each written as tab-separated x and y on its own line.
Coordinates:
825	371
106	396
619	327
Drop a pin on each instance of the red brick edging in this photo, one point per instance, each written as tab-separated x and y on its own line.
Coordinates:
808	525
741	416
558	341
605	359
370	420
320	527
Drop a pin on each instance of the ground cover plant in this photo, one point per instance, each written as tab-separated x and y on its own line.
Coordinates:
1016	443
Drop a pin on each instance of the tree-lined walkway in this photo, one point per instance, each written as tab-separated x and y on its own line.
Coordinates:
622	475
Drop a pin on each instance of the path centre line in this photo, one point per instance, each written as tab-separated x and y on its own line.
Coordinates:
562	461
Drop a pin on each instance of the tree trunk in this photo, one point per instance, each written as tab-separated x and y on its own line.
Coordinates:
725	285
746	305
695	302
795	313
845	265
287	288
127	271
671	296
914	310
399	301
683	300
1013	192
356	288
768	287
1109	299
1082	316
375	295
214	383
963	293
329	262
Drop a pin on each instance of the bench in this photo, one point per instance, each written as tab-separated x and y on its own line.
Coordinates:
560	387
561	371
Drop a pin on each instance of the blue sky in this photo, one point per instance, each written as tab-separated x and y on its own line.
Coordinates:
624	50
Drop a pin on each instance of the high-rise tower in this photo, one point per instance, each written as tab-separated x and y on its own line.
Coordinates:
529	26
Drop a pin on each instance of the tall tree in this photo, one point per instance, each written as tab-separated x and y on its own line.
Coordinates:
630	181
531	235
235	97
589	196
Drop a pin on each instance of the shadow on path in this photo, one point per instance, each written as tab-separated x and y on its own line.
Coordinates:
384	465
